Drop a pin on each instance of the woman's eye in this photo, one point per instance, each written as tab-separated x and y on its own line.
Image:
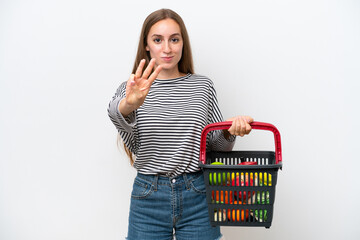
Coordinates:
174	39
157	40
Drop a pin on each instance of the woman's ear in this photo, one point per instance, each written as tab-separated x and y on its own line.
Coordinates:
147	48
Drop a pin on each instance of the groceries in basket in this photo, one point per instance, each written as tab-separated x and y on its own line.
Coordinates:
220	215
216	179
239	194
263	197
241	179
231	215
222	197
234	215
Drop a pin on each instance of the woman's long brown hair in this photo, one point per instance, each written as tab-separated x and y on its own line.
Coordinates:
185	64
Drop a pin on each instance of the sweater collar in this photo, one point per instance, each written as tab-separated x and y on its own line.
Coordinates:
172	80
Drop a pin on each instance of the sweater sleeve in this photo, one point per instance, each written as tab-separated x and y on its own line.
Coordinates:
216	139
126	126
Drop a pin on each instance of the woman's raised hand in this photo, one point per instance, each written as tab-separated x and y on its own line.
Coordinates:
138	87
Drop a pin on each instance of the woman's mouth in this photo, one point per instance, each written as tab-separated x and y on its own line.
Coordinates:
167	59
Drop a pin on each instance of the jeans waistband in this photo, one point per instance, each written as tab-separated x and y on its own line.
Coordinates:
184	178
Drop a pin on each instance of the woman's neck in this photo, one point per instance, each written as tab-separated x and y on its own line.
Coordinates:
169	74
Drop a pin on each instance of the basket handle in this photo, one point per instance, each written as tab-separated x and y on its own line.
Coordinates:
227	125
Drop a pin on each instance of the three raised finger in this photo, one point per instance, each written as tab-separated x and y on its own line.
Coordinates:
154	75
149	69
139	69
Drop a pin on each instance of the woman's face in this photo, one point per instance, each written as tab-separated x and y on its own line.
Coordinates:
165	44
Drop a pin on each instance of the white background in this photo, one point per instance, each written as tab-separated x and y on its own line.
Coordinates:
291	63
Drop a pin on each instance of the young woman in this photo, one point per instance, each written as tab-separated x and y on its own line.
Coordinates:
159	114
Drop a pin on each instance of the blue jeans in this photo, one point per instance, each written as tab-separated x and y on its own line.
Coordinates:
162	208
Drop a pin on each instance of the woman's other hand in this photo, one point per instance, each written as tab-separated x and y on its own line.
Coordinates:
138	87
240	126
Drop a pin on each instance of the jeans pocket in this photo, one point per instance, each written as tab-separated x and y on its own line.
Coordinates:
141	189
198	185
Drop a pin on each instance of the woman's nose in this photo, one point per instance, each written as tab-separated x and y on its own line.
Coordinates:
167	47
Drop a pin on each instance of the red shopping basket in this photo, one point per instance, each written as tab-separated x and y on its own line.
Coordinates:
240	185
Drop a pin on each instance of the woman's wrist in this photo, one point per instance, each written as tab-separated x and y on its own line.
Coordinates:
124	108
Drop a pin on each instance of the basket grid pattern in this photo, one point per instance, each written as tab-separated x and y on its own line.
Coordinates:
236	161
240	185
239	195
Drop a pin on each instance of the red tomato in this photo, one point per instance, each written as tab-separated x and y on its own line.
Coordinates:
248	163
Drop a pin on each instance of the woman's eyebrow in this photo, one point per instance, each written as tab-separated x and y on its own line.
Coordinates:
156	35
172	35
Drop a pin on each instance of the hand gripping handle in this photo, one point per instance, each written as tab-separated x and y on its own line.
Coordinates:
227	125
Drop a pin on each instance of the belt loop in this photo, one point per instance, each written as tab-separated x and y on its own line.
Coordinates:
187	181
156	178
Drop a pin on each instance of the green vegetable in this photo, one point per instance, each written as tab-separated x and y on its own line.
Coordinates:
217	177
262	198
